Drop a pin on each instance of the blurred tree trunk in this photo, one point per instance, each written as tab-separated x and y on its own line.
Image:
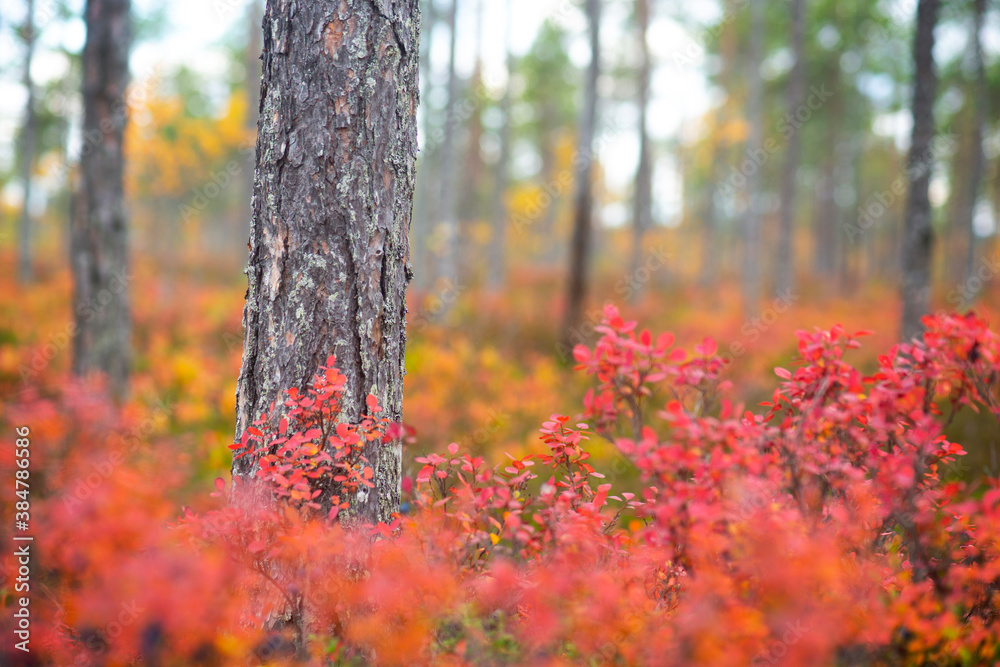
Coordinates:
497	257
642	203
825	220
551	253
712	245
99	233
752	218
332	203
978	126
918	235
251	64
850	159
795	97
954	244
24	272
709	271
472	176
424	206
448	260
579	259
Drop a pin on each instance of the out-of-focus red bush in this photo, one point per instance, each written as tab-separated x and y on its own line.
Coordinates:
820	529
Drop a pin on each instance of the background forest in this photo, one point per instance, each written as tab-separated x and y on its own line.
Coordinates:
735	170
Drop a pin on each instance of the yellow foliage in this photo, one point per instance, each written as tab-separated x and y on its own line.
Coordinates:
170	154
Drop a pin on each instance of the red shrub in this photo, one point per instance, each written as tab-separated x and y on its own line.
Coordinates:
817	531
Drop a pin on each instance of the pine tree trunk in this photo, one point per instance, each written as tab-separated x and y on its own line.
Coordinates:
752	218
99	233
795	94
333	199
497	257
642	203
918	235
24	272
579	259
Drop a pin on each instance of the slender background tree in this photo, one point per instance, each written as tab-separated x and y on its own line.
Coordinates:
99	239
918	233
795	97
28	132
755	148
583	202
642	200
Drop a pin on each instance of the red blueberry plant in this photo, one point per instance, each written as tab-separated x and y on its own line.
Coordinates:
820	528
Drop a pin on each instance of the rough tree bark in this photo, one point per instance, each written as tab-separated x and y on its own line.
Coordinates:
328	268
642	202
497	258
752	218
24	272
579	259
795	97
918	235
99	232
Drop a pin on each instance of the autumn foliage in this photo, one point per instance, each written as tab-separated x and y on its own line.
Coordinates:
818	528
